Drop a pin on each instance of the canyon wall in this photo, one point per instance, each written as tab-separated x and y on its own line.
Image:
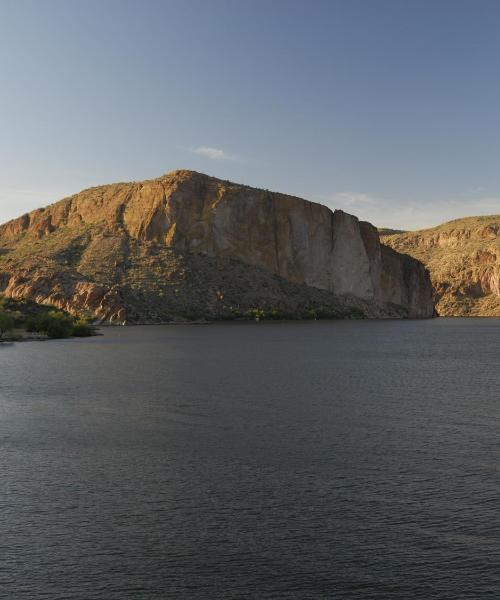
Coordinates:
192	215
463	258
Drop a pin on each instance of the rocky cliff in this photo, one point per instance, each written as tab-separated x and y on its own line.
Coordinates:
463	257
186	244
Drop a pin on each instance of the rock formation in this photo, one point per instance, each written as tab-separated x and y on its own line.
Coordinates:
186	244
463	257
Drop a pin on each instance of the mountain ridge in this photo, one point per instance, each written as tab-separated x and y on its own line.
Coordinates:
463	257
147	251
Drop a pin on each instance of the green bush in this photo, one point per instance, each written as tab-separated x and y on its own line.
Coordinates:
256	313
19	318
6	323
54	324
82	328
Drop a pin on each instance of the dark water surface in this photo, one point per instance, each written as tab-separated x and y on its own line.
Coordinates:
289	460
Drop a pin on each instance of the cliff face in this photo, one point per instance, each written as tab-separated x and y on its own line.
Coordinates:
463	258
100	247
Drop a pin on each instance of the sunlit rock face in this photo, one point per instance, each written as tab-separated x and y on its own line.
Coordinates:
463	258
140	252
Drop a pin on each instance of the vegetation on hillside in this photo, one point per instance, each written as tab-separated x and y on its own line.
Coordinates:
19	318
389	231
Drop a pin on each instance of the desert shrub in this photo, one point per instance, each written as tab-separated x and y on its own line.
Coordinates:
82	328
6	323
55	324
256	313
18	317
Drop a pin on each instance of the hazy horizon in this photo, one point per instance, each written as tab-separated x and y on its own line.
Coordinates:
387	110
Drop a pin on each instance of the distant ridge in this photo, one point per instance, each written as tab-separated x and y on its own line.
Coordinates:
388	231
463	257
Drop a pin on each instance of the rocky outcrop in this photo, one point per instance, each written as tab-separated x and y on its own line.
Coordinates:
463	257
100	249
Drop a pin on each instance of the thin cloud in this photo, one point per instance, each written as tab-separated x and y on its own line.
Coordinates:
349	199
410	214
474	191
212	153
381	212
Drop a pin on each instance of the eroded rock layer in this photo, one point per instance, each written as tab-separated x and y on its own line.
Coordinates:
188	243
463	258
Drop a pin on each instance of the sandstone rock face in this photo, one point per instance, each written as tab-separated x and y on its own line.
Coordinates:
98	248
463	258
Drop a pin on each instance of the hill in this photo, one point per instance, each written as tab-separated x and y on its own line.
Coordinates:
190	246
463	257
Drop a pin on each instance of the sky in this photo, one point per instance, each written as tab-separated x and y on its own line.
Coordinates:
388	109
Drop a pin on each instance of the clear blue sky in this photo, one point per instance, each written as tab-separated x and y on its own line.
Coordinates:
388	109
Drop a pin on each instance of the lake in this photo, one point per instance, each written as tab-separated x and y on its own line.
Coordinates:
307	460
